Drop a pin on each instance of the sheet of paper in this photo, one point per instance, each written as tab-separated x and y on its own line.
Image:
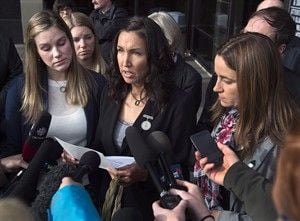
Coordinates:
108	163
120	161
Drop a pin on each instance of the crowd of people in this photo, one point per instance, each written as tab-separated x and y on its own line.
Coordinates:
100	74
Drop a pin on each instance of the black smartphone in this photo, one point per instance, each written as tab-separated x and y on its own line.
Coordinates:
207	146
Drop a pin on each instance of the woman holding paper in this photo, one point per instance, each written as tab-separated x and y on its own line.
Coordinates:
54	81
141	93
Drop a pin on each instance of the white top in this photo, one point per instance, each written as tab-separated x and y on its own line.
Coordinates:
68	122
119	133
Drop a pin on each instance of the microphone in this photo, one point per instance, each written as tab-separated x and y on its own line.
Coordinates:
143	155
47	188
161	145
89	161
127	214
36	136
26	187
52	180
146	158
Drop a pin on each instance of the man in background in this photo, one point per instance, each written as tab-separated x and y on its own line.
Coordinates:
108	20
291	55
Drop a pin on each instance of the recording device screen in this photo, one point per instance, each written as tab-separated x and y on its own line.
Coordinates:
207	146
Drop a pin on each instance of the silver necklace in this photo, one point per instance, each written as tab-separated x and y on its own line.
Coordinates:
62	88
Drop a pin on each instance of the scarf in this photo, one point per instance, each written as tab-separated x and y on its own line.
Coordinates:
222	133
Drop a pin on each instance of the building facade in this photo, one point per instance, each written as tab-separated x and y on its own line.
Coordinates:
204	23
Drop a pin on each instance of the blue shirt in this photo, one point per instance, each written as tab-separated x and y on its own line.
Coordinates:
72	203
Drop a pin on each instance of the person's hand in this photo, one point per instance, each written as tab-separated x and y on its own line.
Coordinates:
176	214
217	174
129	174
193	197
66	181
193	191
67	158
13	163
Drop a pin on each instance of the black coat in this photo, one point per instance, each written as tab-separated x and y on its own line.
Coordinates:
291	55
107	26
10	67
188	79
10	63
177	121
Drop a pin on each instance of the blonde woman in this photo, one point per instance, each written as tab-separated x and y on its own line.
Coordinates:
54	81
85	42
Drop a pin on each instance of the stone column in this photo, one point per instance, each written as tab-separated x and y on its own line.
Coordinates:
28	8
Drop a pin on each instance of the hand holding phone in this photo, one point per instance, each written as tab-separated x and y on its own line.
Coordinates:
207	146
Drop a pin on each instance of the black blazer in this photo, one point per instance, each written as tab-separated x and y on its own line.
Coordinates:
177	120
188	79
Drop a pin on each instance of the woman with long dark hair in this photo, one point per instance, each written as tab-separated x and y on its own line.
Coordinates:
252	116
141	93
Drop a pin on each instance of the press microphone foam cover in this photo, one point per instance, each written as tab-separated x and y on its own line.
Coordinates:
138	147
90	159
88	162
159	142
143	155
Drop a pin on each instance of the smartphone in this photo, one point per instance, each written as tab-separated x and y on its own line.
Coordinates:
206	145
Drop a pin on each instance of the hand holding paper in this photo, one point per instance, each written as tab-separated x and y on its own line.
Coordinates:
108	163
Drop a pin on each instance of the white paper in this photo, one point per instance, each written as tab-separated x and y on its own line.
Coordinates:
108	163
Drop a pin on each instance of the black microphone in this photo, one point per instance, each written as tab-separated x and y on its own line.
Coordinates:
36	136
145	157
161	145
27	185
89	161
127	214
48	187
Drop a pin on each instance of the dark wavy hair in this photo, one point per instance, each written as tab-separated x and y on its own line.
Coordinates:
159	81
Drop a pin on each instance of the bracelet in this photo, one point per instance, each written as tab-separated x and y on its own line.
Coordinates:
208	216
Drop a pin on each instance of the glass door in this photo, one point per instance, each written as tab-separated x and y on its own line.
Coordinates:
212	22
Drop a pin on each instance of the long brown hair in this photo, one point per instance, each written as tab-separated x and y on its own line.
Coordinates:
78	80
79	19
286	192
265	108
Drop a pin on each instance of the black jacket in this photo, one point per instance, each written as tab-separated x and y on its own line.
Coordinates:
177	121
188	79
250	188
10	63
291	55
107	26
10	67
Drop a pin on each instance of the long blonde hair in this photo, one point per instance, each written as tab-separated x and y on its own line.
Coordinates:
78	78
78	19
